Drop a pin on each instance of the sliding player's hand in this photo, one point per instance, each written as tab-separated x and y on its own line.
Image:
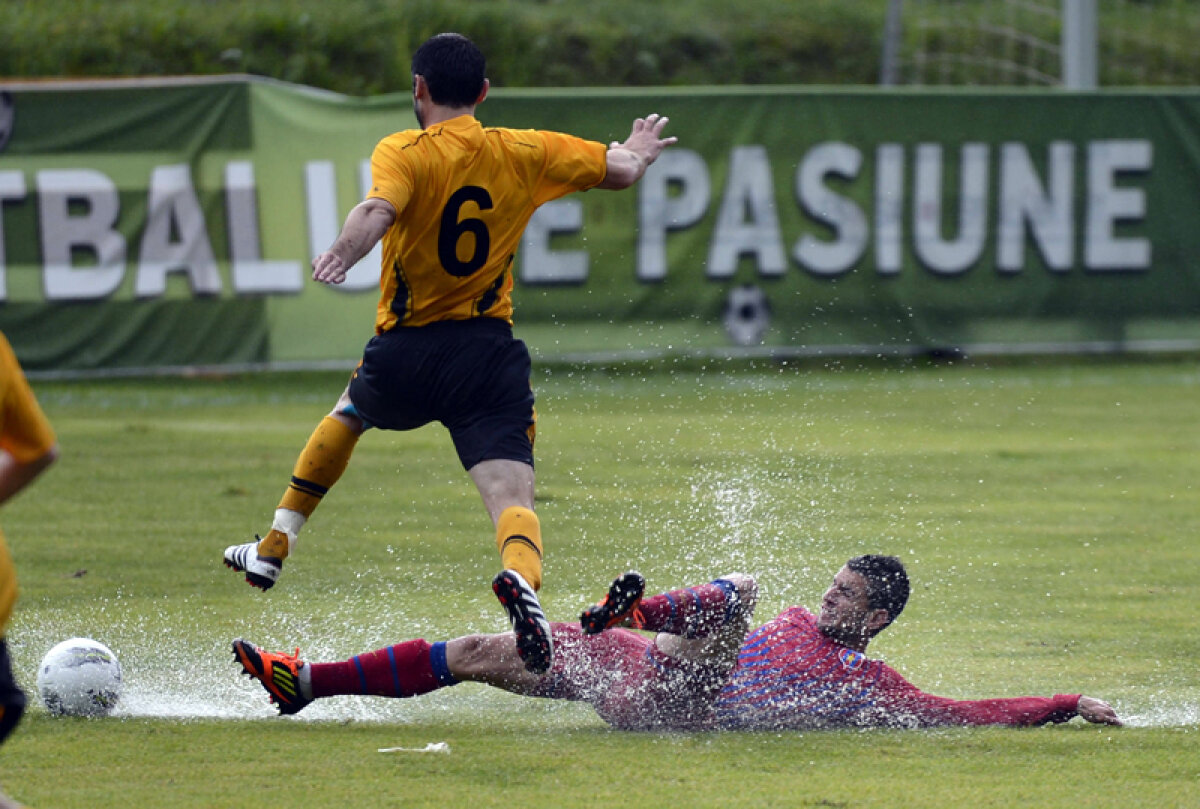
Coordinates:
1097	711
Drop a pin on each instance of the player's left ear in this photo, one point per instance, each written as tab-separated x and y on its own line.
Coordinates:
876	621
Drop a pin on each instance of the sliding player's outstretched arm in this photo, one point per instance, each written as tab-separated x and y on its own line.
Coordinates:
1097	711
902	703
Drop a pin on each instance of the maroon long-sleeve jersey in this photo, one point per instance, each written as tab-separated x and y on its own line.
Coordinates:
789	675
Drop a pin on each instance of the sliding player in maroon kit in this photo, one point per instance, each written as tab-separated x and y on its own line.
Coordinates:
701	672
803	671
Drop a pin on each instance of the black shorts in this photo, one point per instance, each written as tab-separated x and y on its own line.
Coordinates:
471	375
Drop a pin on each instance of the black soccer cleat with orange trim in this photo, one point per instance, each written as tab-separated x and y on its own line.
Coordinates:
534	644
620	605
277	672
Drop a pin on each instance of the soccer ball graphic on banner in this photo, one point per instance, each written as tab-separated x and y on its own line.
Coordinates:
747	314
79	677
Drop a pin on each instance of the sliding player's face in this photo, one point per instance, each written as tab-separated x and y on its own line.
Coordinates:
844	608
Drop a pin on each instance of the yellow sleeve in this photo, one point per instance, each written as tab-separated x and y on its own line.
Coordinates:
25	432
572	164
391	177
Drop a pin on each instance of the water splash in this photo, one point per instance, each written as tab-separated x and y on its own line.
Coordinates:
1163	716
196	678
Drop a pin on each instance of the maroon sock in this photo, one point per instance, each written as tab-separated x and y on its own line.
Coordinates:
404	670
692	612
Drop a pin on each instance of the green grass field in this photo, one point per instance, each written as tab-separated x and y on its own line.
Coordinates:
1046	512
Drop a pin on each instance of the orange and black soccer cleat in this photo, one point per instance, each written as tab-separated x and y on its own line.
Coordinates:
279	673
620	606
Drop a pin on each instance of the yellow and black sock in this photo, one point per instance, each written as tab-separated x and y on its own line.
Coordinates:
320	465
519	538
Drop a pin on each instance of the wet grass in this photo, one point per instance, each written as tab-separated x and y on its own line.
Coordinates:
1045	512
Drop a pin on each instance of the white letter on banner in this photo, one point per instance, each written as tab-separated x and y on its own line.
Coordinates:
889	208
1023	201
747	222
941	256
249	272
320	189
173	209
540	264
12	187
660	211
63	232
844	217
320	192
1108	204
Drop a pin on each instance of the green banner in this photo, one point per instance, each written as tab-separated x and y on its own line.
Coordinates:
168	223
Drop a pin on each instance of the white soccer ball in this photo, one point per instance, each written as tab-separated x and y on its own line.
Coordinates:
79	677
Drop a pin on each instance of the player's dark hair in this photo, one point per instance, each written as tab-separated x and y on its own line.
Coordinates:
453	68
887	583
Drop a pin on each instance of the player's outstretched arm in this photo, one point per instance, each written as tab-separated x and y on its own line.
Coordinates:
364	227
1097	711
28	445
15	476
628	161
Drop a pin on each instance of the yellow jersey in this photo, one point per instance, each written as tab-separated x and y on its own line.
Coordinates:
463	195
26	435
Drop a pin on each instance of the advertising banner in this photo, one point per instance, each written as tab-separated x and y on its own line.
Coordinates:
152	224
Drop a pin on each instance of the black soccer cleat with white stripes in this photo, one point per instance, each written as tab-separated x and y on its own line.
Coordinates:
261	571
534	644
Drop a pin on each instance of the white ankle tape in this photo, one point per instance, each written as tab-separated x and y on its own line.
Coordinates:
289	522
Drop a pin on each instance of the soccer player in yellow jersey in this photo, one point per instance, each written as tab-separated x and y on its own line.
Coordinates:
27	447
449	202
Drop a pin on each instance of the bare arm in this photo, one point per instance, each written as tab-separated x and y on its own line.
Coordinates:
628	161
364	227
15	476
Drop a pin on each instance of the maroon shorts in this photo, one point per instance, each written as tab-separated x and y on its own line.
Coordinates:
629	681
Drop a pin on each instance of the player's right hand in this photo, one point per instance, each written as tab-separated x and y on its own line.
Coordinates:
1097	711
